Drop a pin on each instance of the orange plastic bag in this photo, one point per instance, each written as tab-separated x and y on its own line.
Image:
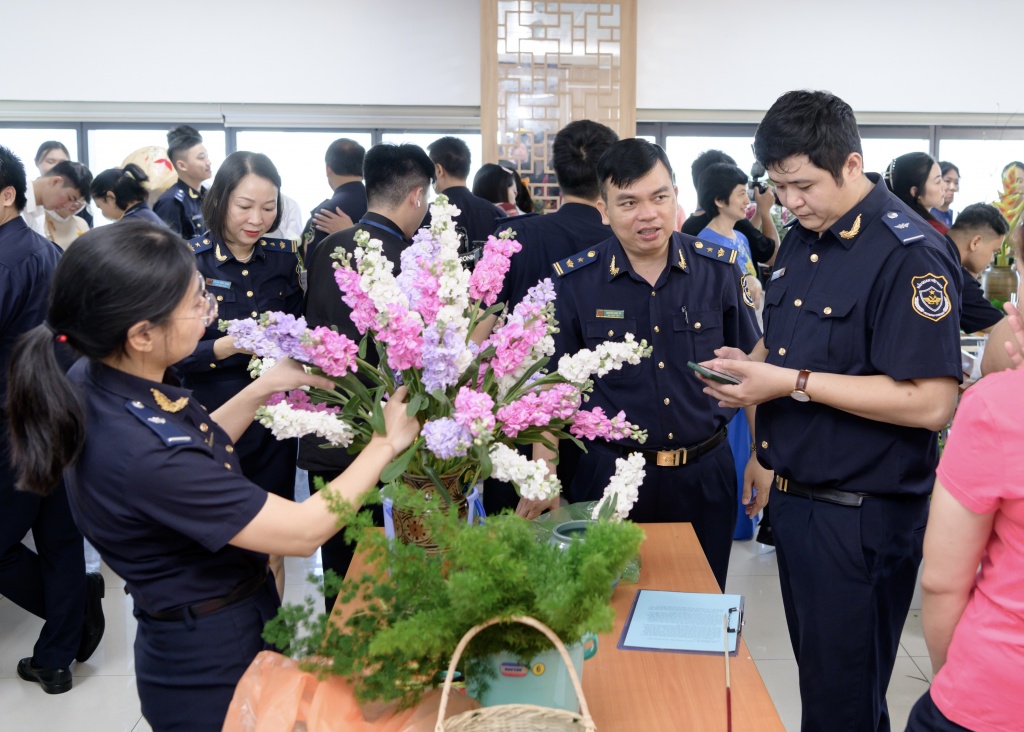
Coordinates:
275	695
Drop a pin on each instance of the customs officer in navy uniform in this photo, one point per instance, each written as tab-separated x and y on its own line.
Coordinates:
477	216
181	205
49	581
344	166
545	239
685	298
153	479
858	369
248	273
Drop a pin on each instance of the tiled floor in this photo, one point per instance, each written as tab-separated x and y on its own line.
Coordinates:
104	699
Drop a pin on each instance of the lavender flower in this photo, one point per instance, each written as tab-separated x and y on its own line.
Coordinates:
446	438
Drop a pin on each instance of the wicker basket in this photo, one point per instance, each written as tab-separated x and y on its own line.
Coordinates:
515	717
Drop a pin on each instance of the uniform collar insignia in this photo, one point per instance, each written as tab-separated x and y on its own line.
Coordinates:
221	257
682	260
853	230
166	404
612	269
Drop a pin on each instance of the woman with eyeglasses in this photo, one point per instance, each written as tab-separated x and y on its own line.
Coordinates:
153	479
121	194
248	273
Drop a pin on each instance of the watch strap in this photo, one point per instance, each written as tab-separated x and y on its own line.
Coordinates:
801	380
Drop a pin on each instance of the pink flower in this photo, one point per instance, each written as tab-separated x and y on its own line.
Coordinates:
474	410
299	400
538	409
403	337
489	274
595	423
364	314
333	352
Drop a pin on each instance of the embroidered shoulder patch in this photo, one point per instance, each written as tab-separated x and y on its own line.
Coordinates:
570	264
748	297
168	432
931	296
715	251
901	225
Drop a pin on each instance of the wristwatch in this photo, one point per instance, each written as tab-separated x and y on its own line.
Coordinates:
800	392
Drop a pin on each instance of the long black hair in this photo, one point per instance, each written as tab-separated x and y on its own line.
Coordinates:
491	183
125	183
911	171
111	279
236	166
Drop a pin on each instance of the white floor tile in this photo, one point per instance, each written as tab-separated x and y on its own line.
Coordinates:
783	683
142	726
905	688
750	557
913	635
94	704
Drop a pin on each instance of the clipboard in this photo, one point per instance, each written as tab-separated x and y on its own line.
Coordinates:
681	622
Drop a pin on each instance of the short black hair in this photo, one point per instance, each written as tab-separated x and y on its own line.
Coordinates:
12	173
981	216
909	171
391	172
491	183
236	166
345	157
75	175
717	183
180	140
50	145
524	201
127	185
945	166
705	160
817	124
627	161
575	152
452	154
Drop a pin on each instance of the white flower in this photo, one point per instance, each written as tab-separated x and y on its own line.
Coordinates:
258	365
286	422
608	356
529	476
624	486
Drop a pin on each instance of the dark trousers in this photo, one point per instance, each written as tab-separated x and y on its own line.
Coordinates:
926	717
702	493
186	670
847	576
48	582
336	553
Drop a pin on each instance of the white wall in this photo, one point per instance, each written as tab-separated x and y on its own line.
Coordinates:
878	55
377	52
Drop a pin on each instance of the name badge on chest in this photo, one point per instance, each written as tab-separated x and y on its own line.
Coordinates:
210	282
777	274
614	314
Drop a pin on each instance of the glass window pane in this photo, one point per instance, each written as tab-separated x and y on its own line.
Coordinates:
298	156
981	167
474	141
682	151
24	142
879	151
109	147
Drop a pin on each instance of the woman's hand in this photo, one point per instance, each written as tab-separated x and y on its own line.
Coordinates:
400	429
330	222
286	375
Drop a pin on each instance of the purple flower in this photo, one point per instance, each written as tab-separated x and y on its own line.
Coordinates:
440	357
285	332
446	438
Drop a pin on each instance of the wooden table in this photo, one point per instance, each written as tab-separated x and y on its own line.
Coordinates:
653	691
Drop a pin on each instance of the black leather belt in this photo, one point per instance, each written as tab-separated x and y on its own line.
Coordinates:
245	590
819	493
677	457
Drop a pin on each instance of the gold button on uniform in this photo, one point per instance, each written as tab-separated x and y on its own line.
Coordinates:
227	465
661	364
255	314
782	351
697	326
666	401
220	298
827	311
671	436
231	448
814	257
764	444
798	302
653	293
249	293
204	427
213	365
611	333
245	272
657	329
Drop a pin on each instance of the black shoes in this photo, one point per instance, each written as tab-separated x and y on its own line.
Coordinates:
94	623
53	680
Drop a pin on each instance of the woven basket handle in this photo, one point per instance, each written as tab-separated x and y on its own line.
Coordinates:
525	620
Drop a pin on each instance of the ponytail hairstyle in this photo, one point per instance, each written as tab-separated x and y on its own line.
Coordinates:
127	185
910	171
113	278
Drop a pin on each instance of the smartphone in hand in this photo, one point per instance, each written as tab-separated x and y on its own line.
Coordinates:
718	376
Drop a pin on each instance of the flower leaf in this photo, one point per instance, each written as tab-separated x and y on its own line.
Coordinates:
396	467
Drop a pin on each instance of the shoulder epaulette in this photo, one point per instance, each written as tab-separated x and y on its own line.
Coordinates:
718	252
179	195
273	244
200	243
168	432
901	225
577	261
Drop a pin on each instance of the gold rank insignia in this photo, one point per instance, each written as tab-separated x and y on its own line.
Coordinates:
612	269
931	296
853	230
682	260
166	404
192	194
221	257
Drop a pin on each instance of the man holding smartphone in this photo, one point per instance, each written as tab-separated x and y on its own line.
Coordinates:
857	370
685	297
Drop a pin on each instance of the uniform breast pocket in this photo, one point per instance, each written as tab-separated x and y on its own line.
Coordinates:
701	330
835	324
603	330
275	293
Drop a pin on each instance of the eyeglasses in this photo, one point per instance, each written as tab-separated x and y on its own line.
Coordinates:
207	308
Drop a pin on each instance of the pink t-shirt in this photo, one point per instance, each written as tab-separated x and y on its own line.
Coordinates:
982	467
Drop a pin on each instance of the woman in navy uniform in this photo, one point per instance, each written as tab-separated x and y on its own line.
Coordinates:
153	479
248	273
120	194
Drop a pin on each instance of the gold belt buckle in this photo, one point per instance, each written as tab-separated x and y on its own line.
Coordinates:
782	483
670	458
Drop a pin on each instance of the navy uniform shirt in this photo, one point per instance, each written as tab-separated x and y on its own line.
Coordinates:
976	311
349	197
477	216
158	493
875	294
547	239
323	306
697	305
268	281
181	208
142	212
27	261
